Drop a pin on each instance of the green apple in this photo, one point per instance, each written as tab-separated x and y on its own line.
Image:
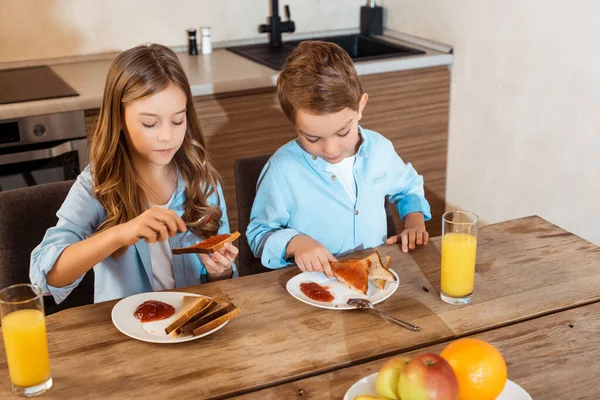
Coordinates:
428	377
369	397
387	379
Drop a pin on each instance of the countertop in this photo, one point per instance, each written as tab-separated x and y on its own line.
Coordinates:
220	72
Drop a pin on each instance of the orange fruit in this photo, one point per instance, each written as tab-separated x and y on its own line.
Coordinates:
479	368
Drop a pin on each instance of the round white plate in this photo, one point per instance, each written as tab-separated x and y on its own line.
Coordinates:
340	292
153	332
366	385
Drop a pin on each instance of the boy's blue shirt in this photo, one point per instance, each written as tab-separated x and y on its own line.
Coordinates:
297	195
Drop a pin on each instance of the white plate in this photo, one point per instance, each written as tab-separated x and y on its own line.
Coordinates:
366	385
340	292
153	332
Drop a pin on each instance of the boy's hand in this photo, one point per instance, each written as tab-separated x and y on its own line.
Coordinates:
310	255
414	233
218	264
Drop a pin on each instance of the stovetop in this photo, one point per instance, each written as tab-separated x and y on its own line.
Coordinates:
32	83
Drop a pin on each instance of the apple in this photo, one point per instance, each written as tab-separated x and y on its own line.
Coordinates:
369	397
428	377
387	379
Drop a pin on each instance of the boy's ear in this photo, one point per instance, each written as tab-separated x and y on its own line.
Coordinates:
361	105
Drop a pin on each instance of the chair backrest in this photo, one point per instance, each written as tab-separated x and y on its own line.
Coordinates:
25	215
247	172
391	225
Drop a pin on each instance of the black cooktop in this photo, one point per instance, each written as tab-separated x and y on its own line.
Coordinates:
32	83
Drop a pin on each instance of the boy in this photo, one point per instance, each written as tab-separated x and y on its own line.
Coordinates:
324	193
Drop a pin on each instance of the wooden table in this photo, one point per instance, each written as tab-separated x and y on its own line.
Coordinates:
554	357
533	281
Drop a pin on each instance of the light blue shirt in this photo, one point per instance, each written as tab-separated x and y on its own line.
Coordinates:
131	273
297	195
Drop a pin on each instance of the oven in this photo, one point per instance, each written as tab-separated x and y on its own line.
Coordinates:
42	149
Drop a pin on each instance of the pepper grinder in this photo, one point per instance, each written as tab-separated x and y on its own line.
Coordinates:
192	44
206	44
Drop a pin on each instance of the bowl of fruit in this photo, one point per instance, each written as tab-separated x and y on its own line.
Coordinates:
467	369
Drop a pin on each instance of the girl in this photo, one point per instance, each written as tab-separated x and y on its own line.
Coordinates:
150	186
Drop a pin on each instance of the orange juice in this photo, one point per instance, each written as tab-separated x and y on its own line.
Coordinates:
26	345
458	264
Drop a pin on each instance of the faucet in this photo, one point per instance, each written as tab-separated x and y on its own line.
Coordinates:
275	27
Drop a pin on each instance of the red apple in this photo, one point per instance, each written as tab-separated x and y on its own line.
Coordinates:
428	377
389	374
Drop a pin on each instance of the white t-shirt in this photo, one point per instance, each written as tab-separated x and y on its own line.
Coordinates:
160	258
344	171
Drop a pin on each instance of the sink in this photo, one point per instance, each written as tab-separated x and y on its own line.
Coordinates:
360	48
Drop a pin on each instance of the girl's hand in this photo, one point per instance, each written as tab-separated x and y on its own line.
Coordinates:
310	255
219	264
155	224
414	235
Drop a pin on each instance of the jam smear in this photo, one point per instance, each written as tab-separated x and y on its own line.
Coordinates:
316	292
211	241
153	310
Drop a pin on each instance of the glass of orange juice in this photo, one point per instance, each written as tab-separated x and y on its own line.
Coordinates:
459	249
25	341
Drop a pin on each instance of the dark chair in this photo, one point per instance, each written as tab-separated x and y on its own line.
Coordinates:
25	215
246	172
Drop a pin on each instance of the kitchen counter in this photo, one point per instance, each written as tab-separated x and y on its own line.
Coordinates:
220	72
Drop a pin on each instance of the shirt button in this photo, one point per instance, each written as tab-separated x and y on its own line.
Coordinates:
314	158
333	177
356	212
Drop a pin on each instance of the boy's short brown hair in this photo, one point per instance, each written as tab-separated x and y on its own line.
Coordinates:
318	77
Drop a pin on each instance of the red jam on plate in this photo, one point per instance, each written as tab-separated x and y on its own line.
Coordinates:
153	310
316	292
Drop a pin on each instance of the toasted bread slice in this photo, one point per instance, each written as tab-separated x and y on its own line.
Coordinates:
355	274
199	314
216	322
380	283
187	300
210	245
188	310
377	270
386	261
217	311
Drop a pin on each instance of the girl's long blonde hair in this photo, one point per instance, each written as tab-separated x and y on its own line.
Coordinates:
135	74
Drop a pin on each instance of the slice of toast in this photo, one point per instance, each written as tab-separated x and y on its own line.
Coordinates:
216	322
377	269
187	300
210	245
201	313
355	274
191	307
217	311
387	260
380	283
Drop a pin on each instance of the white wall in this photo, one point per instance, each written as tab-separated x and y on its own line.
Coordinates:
525	105
34	29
